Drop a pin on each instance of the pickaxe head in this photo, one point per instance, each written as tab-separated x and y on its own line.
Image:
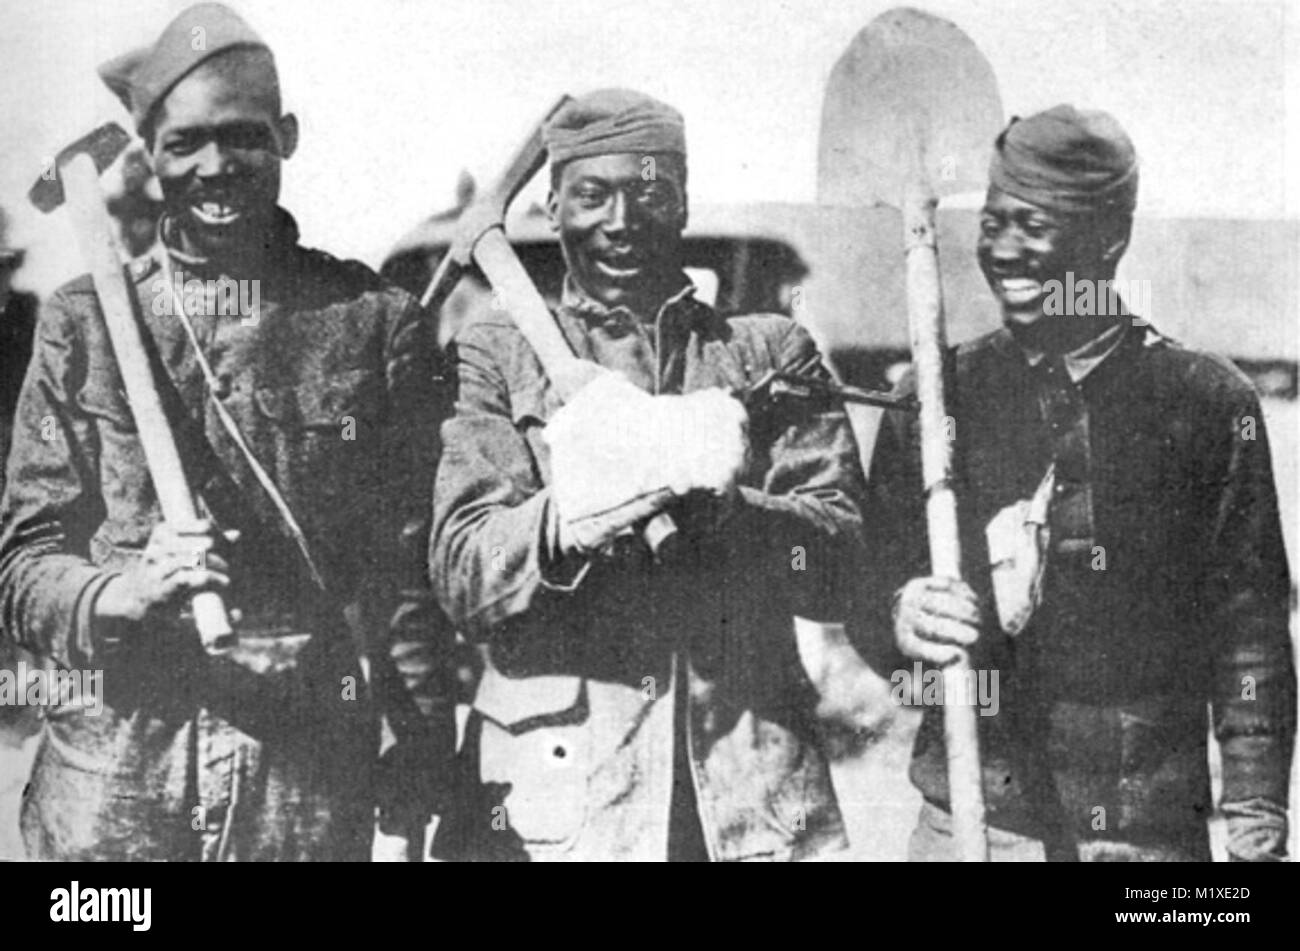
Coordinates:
488	211
103	145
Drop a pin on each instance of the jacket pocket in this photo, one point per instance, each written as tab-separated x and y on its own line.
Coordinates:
536	742
319	404
320	436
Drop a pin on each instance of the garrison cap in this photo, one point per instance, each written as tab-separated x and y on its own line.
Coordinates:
1067	159
143	77
613	120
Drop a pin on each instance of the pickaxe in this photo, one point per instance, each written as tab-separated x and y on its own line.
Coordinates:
73	180
480	239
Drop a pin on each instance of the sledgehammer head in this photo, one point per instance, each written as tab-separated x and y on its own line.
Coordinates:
103	145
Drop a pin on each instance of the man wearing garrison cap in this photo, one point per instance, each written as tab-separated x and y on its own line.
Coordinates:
1125	572
285	372
639	703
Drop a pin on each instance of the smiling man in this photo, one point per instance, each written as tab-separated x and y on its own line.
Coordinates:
307	430
639	704
1121	539
230	105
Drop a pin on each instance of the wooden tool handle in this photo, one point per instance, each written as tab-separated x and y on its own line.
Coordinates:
98	244
516	291
929	341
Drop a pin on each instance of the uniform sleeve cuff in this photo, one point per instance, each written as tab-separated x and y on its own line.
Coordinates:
560	571
89	635
1257	830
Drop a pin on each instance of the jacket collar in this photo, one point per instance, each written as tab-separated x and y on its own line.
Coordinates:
679	305
281	244
1100	353
1082	360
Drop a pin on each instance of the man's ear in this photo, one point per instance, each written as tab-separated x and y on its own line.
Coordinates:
1112	252
553	209
1115	240
287	128
677	171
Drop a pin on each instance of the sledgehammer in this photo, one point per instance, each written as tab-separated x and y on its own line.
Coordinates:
73	181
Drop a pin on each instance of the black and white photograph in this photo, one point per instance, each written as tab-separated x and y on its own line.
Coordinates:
644	431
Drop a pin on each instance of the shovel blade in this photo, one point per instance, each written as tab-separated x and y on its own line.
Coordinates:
911	99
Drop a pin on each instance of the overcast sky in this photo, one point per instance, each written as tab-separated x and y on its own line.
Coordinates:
397	96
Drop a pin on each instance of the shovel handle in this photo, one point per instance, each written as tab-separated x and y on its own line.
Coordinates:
929	340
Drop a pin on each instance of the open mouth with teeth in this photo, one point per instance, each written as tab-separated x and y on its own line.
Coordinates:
619	270
1019	290
623	266
215	213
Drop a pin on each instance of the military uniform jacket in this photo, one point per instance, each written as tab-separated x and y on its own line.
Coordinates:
573	726
1180	605
330	382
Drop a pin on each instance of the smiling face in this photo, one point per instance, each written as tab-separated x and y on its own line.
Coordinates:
216	145
620	220
1022	247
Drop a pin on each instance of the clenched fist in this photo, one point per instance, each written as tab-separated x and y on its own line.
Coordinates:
936	619
178	562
